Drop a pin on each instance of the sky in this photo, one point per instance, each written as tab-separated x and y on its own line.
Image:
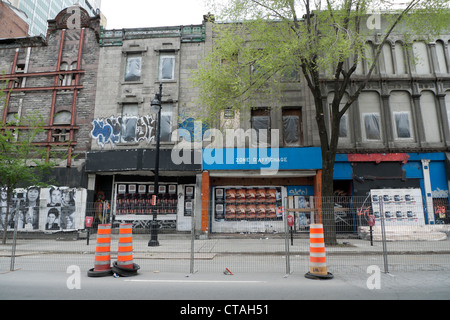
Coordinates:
152	13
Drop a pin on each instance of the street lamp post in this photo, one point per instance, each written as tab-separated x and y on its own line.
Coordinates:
156	104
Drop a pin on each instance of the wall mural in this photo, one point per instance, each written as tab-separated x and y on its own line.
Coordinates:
133	129
123	129
45	209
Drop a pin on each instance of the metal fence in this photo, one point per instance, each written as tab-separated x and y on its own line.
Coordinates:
399	240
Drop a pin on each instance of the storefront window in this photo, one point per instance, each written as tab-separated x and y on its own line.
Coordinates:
247	203
137	199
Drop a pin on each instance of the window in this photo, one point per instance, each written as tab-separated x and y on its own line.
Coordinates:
387	54
67	79
343	127
130	110
60	135
261	126
402	124
133	68
167	67
62	118
440	51
430	116
400	58
129	122
420	51
292	134
62	77
447	106
369	108
20	68
165	133
400	103
372	128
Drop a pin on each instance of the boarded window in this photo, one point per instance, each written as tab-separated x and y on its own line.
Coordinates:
129	121
402	124
167	67
372	127
133	68
369	107
292	127
261	126
400	103
166	123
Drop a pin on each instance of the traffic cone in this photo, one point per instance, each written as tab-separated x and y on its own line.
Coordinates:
124	265
102	264
317	256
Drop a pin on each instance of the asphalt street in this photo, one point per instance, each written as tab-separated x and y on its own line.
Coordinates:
76	285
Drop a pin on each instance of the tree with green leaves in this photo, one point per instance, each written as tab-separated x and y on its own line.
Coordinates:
23	162
325	41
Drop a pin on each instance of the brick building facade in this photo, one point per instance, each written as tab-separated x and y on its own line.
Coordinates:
56	76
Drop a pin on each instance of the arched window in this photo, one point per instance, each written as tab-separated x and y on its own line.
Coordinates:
369	108
430	117
421	58
400	103
400	58
387	55
63	77
440	52
62	118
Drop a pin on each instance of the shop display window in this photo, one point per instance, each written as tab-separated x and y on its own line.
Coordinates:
247	203
137	199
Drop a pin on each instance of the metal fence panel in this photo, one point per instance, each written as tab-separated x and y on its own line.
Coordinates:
389	244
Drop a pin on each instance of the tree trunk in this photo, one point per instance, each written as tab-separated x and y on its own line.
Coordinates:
328	219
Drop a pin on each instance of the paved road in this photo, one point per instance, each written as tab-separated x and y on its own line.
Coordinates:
146	285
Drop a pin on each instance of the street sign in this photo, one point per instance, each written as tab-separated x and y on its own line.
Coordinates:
290	220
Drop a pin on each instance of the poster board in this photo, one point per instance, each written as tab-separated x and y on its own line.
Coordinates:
400	207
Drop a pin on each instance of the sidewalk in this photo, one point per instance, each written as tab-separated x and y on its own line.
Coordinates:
173	246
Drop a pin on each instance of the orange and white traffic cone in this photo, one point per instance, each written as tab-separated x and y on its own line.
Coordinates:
102	264
124	265
317	256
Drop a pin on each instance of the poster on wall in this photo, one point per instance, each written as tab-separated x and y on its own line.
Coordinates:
247	203
45	209
132	202
399	206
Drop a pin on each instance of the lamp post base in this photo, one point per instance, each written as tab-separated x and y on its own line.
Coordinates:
154	235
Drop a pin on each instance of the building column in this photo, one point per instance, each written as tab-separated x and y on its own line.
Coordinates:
428	191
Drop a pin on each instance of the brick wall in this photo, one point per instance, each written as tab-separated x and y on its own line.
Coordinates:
11	25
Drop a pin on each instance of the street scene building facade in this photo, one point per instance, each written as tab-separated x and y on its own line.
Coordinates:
395	138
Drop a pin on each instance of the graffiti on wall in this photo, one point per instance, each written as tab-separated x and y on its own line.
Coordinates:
45	209
123	129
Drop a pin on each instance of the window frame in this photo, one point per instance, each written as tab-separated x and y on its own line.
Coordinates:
132	78
162	57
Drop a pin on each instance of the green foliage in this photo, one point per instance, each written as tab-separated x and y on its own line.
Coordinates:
22	161
264	39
